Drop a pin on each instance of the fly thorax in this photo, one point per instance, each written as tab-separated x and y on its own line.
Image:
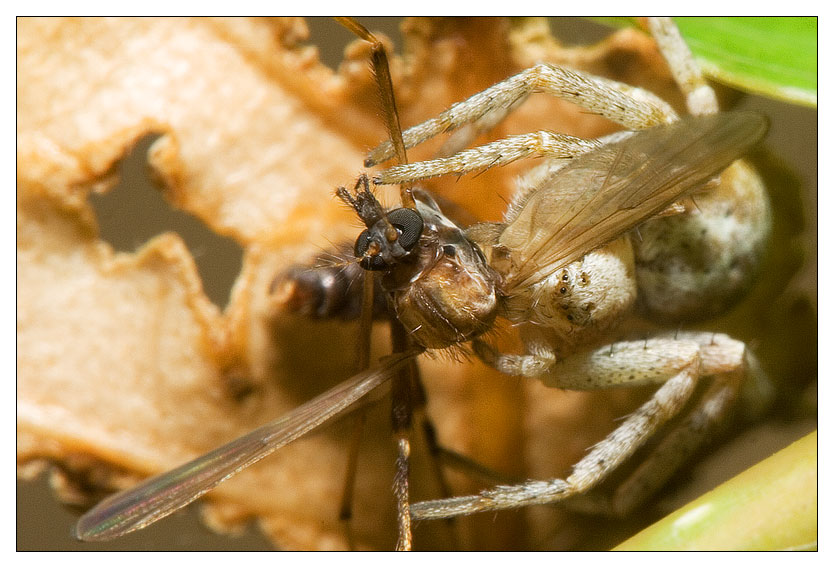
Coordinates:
447	294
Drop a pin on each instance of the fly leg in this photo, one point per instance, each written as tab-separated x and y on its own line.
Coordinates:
676	363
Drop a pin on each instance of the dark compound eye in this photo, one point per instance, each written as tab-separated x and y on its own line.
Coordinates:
374	262
410	225
363	241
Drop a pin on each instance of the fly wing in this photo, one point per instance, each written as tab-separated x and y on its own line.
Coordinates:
163	494
609	191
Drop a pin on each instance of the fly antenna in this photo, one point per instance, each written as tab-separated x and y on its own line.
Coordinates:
382	71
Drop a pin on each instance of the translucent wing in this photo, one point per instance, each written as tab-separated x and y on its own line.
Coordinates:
163	494
608	191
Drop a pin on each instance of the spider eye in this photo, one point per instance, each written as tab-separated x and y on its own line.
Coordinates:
410	225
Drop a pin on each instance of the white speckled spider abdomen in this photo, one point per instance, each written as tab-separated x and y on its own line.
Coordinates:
698	264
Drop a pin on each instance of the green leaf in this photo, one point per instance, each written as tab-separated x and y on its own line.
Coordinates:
775	57
771	506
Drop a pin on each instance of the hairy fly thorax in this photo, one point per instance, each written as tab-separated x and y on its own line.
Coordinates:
448	294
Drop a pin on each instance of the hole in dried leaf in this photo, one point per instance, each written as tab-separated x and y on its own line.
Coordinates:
135	211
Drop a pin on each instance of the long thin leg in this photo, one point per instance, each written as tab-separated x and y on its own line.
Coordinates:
700	98
465	135
401	411
401	417
346	506
678	445
591	470
402	420
363	362
632	107
733	366
676	362
498	153
434	450
382	71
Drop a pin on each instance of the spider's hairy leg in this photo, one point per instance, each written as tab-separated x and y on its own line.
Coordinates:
737	375
678	445
676	363
700	98
501	152
632	107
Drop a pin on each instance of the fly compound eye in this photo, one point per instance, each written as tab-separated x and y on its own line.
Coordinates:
409	223
373	263
363	241
360	248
